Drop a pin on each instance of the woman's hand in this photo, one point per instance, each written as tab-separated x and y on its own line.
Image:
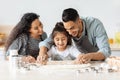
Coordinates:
29	59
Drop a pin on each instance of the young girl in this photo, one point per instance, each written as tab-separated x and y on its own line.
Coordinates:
25	37
62	48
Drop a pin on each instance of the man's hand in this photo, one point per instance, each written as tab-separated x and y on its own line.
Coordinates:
83	58
42	59
86	58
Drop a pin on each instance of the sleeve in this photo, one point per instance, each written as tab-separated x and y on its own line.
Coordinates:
102	38
74	51
48	42
51	52
17	43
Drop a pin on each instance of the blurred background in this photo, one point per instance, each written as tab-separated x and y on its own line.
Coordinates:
50	11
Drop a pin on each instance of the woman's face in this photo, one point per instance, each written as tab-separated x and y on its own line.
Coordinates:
60	41
36	29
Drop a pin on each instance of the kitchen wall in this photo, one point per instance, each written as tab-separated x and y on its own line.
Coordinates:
50	12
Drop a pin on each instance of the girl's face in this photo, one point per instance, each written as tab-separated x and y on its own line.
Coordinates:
36	29
60	41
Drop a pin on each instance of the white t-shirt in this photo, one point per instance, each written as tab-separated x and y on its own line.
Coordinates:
70	53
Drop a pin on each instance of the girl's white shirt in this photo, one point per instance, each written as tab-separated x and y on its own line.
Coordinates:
70	51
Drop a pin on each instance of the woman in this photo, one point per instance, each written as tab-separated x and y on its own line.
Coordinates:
25	37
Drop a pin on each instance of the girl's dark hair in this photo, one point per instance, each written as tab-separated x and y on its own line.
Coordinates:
22	27
59	27
70	14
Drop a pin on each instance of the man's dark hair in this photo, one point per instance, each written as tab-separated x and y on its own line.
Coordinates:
70	14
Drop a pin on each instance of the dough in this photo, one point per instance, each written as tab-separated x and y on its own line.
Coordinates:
63	65
113	61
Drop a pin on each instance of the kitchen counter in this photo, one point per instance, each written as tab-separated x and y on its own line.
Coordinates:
54	74
115	47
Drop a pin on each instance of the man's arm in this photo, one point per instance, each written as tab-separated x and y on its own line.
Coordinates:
95	56
44	47
42	57
101	39
85	58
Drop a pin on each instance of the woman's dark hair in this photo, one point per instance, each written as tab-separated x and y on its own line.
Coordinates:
70	14
59	28
22	27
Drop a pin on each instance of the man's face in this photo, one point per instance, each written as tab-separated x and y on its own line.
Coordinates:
73	28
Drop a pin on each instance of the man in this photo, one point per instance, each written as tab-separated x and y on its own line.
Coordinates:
88	35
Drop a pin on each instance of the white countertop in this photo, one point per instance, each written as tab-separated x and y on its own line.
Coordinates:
52	74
